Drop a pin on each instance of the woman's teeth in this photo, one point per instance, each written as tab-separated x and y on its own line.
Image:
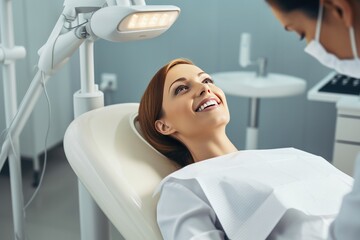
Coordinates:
206	104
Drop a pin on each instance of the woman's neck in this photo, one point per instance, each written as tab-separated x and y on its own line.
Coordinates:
210	146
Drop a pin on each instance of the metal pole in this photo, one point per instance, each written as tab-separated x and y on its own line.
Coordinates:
10	100
94	224
253	124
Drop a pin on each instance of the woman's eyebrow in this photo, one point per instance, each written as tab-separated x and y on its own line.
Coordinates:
184	79
177	80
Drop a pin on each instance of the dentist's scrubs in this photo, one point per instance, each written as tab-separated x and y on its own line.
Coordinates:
254	194
347	224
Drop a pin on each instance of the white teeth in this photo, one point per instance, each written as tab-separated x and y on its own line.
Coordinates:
206	104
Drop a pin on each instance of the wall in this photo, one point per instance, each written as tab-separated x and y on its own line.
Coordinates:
208	33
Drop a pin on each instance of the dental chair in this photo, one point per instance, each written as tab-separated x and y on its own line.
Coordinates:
118	167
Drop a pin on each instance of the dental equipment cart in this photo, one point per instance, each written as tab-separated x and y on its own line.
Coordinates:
345	92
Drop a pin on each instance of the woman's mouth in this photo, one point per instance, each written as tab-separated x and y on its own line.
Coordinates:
207	104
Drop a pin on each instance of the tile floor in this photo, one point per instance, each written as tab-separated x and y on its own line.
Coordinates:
54	213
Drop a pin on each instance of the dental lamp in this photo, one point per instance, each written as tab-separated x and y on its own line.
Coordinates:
112	23
80	24
132	23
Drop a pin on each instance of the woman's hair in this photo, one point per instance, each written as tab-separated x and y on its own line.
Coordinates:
150	110
309	7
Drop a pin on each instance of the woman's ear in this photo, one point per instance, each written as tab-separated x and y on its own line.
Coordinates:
163	127
341	9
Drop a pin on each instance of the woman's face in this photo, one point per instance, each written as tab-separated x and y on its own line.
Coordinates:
192	104
334	35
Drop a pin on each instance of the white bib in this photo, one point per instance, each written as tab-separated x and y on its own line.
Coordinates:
251	190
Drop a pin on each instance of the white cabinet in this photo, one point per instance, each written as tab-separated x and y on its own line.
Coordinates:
347	135
344	91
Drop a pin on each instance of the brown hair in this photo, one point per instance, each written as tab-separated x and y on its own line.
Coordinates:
150	110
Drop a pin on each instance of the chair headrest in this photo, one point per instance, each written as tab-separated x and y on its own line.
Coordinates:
135	126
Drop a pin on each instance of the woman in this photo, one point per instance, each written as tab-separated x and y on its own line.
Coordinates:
223	193
330	27
332	31
189	138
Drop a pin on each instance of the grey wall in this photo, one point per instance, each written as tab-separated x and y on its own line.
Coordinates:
207	32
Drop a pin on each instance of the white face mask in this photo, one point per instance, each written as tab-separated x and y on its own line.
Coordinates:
350	67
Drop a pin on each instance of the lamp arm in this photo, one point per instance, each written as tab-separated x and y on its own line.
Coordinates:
62	43
56	54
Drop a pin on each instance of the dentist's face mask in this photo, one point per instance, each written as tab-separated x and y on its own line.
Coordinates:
350	67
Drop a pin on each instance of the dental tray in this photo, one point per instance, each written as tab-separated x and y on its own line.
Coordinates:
335	86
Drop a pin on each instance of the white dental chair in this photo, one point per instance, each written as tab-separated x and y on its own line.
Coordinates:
118	167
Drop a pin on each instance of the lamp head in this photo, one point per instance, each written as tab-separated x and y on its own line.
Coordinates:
124	23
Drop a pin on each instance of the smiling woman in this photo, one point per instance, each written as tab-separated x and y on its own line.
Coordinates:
183	114
220	192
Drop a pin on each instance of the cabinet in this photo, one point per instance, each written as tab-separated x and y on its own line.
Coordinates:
347	134
344	91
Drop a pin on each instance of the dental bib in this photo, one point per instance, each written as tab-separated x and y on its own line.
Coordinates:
251	190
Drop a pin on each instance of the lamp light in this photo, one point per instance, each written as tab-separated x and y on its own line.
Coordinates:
124	23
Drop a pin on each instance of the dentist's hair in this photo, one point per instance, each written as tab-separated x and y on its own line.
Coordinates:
309	7
150	110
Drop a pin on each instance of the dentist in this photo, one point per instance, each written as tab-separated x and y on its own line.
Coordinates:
332	31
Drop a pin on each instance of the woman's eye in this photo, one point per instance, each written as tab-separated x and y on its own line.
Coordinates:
208	80
180	89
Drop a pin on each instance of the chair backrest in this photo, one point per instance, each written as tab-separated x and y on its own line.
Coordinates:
118	167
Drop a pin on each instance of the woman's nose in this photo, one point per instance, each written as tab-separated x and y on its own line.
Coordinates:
204	89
